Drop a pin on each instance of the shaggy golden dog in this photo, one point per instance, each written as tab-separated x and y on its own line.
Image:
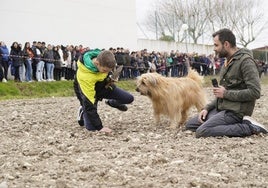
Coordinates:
171	96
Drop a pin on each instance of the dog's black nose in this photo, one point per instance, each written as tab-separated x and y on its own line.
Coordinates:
137	89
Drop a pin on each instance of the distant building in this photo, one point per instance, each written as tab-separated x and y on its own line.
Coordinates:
166	46
261	53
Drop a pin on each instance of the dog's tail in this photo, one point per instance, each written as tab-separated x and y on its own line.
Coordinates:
195	76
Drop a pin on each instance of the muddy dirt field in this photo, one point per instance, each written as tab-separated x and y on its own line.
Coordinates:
43	146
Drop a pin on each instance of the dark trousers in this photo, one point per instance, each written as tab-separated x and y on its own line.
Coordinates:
117	94
1	73
89	109
17	74
5	67
57	74
219	123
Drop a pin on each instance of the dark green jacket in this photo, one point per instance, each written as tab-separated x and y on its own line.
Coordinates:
241	81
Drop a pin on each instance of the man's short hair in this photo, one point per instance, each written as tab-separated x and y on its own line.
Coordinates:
225	35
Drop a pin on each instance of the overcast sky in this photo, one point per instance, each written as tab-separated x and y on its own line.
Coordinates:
105	23
95	24
143	6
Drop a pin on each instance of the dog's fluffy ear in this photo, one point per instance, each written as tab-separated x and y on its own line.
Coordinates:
150	81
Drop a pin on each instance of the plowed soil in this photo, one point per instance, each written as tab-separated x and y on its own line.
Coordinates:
41	145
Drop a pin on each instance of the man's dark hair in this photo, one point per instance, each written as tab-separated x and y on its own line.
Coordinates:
225	35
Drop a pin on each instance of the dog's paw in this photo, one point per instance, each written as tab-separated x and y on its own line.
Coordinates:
173	126
157	122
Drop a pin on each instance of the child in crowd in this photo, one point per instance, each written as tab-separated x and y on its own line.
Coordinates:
92	84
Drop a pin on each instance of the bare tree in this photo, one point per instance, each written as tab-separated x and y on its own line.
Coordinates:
172	14
197	19
217	12
247	20
244	17
163	20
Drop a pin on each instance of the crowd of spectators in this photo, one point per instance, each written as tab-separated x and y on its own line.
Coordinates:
41	62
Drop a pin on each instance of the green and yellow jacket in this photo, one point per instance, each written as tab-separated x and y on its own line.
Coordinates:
92	85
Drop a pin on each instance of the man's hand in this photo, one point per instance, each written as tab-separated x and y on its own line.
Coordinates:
202	116
219	91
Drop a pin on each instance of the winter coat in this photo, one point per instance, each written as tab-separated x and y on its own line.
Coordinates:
57	59
16	56
242	83
4	53
49	56
37	54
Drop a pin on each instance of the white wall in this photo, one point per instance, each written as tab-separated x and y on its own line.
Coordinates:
163	46
96	24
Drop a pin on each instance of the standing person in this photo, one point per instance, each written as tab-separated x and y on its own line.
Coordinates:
22	67
1	72
16	57
186	64
68	62
120	59
57	63
34	44
63	57
73	65
92	84
43	50
134	65
239	88
38	58
49	63
127	68
28	54
76	55
4	59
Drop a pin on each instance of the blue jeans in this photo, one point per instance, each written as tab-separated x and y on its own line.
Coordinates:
219	123
174	71
22	72
28	70
50	70
39	70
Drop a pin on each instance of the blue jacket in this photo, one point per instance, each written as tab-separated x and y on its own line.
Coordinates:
4	53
